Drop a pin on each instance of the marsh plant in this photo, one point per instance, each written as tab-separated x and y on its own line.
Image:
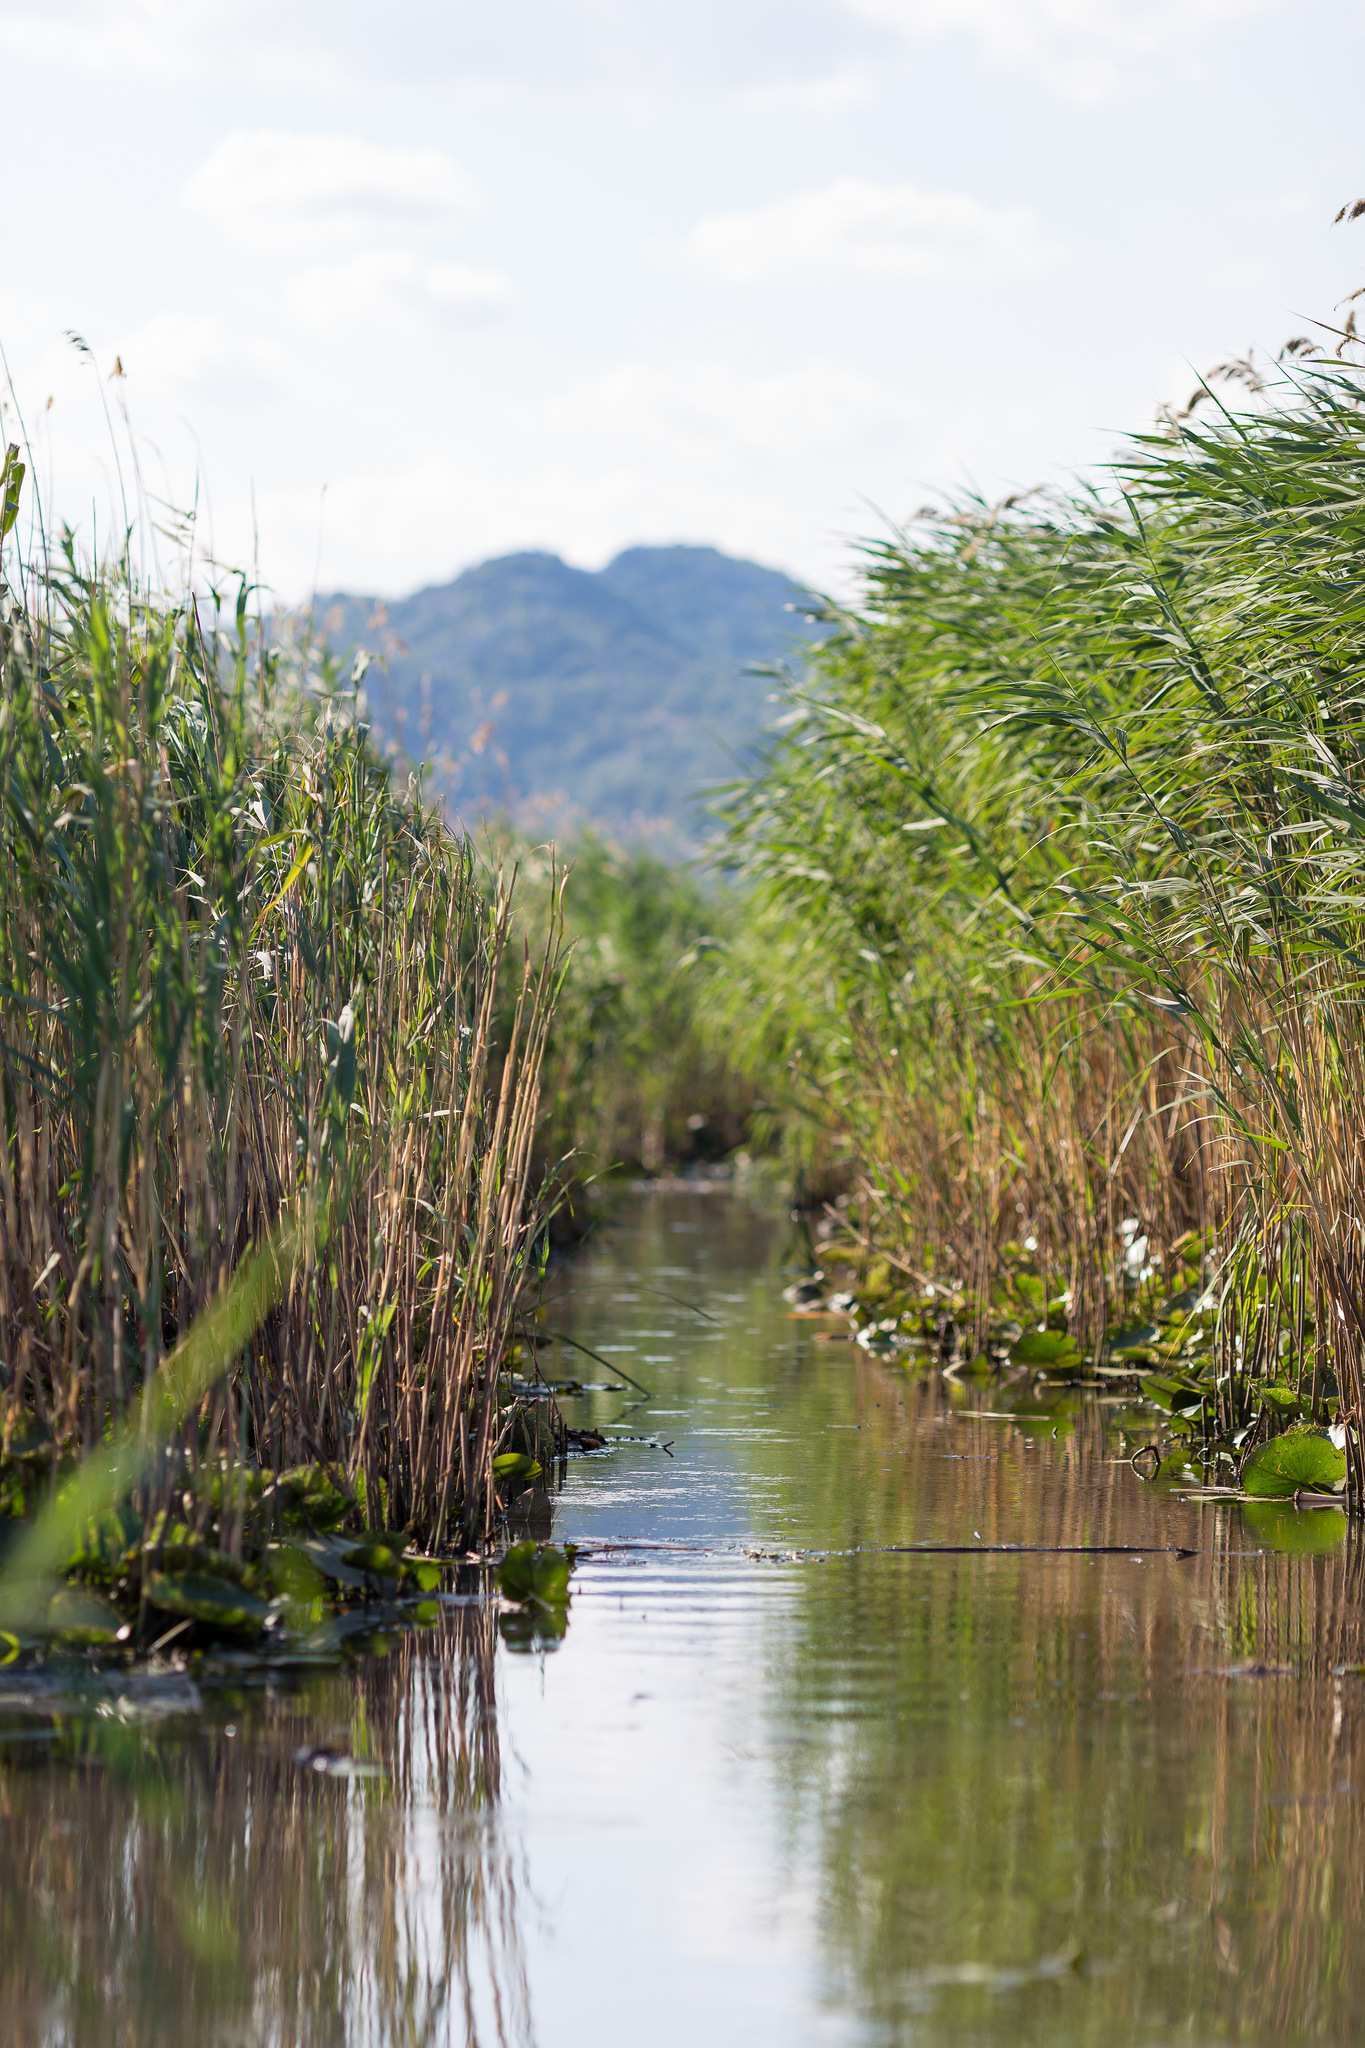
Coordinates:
633	1077
1059	905
249	1009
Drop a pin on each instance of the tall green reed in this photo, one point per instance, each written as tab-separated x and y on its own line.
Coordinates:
246	986
632	1076
1059	889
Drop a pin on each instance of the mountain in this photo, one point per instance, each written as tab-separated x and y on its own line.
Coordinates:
559	694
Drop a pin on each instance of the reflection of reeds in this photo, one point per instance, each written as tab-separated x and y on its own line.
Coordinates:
1060	1754
197	1887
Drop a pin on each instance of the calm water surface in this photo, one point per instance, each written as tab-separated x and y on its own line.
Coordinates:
778	1784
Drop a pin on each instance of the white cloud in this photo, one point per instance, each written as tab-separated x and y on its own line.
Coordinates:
139	35
875	230
177	356
689	414
392	288
1077	45
270	189
697	451
832	92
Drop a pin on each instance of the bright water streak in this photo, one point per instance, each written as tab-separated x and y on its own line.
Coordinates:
778	1783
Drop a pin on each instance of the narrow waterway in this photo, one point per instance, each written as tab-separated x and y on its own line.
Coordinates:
779	1783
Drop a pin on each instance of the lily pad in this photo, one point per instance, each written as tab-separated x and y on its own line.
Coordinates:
308	1499
1301	1458
1138	1337
516	1467
536	1573
82	1619
203	1596
293	1573
1048	1350
380	1560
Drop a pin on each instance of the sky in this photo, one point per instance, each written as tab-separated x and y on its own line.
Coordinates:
393	289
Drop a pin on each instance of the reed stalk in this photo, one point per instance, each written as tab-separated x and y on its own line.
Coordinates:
244	978
1059	899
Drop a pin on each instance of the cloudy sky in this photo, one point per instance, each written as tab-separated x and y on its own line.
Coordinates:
400	287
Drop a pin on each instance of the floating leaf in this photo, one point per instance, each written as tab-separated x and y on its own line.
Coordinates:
515	1465
1304	1459
203	1596
1136	1338
537	1572
309	1499
1176	1396
1049	1350
81	1619
381	1560
293	1573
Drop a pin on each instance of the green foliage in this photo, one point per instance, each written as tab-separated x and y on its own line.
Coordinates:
1304	1459
266	1143
633	1076
1059	897
205	1597
536	1574
515	1468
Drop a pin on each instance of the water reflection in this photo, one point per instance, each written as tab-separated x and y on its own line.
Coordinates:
1075	1797
781	1783
1035	1798
317	1861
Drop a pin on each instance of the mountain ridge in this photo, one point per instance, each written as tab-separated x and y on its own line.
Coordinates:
561	696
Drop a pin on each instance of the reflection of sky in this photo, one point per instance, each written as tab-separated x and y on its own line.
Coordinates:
579	273
646	1796
1039	1800
646	1813
878	1797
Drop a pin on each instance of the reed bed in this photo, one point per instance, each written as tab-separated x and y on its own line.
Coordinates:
1059	916
632	1077
247	983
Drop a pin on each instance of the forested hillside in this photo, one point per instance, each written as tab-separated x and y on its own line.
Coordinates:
559	694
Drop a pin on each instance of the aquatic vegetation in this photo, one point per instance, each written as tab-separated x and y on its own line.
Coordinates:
1058	913
269	1202
632	1076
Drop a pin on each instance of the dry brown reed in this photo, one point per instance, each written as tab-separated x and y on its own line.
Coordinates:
244	977
1059	903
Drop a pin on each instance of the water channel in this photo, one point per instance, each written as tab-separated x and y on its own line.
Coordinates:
780	1782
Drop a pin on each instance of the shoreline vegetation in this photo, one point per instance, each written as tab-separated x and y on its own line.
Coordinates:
1056	926
1033	947
271	1209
